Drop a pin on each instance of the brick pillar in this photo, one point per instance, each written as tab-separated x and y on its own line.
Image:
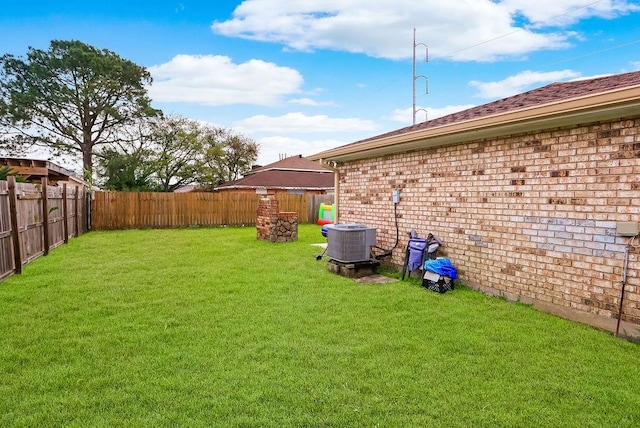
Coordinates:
267	217
275	226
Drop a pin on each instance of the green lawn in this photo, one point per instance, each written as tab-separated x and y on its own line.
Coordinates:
210	327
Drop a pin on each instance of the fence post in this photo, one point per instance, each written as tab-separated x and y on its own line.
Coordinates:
65	213
13	215
45	216
86	212
311	205
77	223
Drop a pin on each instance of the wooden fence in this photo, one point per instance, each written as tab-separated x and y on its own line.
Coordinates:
35	218
139	210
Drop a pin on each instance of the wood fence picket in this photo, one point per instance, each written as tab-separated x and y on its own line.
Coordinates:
34	218
140	210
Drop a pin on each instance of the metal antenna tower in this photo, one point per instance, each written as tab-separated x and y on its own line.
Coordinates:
426	59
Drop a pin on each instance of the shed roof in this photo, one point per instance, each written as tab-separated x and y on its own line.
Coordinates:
36	169
554	105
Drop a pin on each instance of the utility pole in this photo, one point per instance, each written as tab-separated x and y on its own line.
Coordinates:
426	59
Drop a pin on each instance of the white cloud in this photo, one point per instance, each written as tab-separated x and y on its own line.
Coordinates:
216	80
273	146
385	29
310	102
545	13
286	134
302	124
521	82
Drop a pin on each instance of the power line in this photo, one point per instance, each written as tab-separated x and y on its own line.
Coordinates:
594	52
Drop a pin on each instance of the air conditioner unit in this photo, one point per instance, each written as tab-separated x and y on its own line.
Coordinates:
350	243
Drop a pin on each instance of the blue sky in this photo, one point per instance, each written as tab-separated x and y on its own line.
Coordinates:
299	77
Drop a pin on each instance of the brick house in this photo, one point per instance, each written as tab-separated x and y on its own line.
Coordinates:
526	192
292	175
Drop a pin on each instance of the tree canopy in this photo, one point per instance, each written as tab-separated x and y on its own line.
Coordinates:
74	99
227	157
71	98
173	151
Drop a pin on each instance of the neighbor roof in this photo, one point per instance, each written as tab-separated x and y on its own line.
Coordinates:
295	172
554	105
292	163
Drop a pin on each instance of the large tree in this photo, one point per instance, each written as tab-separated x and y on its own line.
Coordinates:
177	146
71	98
188	151
172	151
227	156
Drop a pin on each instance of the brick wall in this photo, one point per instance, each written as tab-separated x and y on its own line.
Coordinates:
531	217
274	225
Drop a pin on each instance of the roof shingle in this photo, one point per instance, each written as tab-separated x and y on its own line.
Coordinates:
291	163
295	172
554	92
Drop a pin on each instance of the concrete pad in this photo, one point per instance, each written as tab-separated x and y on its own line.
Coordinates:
375	279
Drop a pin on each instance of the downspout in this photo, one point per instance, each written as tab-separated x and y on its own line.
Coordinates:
336	184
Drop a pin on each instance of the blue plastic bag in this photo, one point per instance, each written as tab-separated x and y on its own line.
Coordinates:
441	266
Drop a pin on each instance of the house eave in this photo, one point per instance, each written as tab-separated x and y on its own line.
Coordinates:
610	105
270	188
320	171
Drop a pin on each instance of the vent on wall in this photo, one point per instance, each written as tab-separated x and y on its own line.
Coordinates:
350	243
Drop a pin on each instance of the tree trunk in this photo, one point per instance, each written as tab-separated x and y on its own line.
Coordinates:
87	161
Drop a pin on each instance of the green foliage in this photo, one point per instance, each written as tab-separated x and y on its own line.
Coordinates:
177	144
227	158
71	98
129	172
6	171
169	152
188	151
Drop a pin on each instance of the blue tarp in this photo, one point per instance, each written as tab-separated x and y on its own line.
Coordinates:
441	266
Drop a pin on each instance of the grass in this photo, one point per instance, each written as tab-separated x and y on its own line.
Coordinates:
210	327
